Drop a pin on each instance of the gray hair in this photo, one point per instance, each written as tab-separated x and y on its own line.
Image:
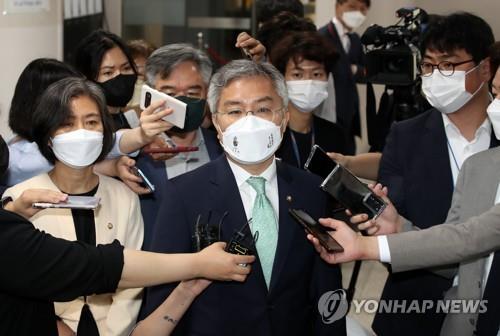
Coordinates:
163	61
244	68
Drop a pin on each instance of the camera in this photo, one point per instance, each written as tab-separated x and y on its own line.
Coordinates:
392	54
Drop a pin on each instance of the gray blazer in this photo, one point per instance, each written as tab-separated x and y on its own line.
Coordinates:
471	232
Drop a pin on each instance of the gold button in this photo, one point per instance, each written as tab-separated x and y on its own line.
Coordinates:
110	226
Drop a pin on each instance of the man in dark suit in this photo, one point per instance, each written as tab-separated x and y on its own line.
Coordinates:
342	104
423	155
280	297
181	71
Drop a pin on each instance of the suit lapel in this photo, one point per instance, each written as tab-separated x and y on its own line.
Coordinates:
286	230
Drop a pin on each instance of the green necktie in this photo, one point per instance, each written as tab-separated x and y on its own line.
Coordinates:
264	221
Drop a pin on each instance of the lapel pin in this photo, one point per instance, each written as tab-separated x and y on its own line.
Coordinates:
289	199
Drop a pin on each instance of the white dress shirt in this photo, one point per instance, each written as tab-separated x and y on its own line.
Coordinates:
344	38
185	162
248	194
459	149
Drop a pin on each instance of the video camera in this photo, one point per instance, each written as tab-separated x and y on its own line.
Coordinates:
392	54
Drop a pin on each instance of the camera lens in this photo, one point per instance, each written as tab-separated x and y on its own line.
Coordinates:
147	100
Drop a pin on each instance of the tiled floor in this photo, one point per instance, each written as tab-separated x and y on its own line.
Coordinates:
370	283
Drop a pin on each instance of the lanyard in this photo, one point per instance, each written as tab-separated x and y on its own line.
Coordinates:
296	147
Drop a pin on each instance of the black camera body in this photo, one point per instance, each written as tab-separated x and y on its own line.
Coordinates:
392	54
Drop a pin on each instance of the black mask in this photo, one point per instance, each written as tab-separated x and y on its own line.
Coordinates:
195	110
119	90
4	157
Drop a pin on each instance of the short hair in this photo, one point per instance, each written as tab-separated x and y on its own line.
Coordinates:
140	48
267	9
238	69
366	2
495	57
55	108
91	50
164	60
303	45
32	82
460	30
280	25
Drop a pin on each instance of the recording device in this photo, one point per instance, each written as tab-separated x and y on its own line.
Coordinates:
205	234
171	150
341	184
73	202
246	53
150	95
392	54
145	181
317	230
243	242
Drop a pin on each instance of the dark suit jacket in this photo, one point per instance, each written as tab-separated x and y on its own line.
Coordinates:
328	136
299	277
346	93
156	172
38	269
415	167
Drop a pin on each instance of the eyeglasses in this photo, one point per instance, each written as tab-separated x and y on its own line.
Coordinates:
236	113
445	68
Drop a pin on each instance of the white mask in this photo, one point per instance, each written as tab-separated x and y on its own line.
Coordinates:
494	115
77	149
447	93
251	140
306	95
353	19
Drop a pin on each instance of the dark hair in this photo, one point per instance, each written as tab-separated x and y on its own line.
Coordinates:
139	48
267	9
32	82
303	45
90	52
459	30
55	108
494	58
366	2
280	25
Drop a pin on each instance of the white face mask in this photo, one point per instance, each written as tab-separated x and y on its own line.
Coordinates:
77	149
447	93
494	115
251	140
353	19
306	95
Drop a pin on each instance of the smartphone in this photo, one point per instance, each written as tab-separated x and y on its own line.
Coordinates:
150	95
73	202
176	149
344	186
316	229
246	53
145	181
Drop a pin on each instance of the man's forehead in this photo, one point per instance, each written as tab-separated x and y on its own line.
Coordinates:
438	54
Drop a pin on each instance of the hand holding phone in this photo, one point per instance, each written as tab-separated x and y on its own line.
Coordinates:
317	230
177	117
145	181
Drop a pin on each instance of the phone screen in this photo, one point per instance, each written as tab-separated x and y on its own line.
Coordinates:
319	162
317	230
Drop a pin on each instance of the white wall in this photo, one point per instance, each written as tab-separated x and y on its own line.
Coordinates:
25	37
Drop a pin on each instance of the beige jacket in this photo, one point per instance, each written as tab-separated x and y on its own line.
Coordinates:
118	217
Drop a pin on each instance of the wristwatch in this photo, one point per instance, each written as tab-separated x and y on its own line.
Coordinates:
5	200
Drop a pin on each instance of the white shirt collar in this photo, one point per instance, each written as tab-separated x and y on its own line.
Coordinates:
339	26
241	175
449	125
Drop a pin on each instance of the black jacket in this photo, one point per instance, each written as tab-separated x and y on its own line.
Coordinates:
38	269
